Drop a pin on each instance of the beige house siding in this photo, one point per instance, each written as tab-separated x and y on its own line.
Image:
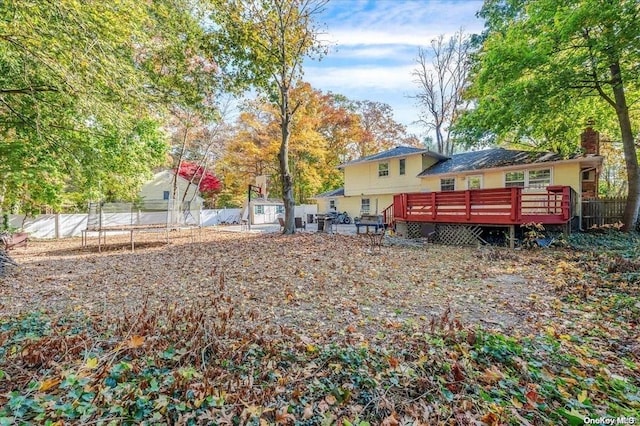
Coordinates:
364	178
162	182
352	205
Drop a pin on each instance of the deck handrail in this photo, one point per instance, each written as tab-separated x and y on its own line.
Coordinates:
491	206
387	216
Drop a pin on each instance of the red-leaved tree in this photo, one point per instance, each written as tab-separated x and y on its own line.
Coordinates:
208	184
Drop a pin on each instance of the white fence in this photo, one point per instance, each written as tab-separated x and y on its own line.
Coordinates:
71	225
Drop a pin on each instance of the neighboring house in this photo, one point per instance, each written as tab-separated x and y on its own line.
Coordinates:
159	191
371	182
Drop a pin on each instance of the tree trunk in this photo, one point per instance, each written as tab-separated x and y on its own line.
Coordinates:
285	173
630	155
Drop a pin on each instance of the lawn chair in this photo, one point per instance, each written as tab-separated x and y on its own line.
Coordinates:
281	222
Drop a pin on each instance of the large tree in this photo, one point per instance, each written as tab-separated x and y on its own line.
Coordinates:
81	84
380	131
319	140
442	75
263	43
546	66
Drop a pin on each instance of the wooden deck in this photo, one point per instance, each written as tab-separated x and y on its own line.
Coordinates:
498	206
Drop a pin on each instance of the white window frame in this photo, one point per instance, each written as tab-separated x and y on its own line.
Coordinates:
258	209
383	169
539	186
332	205
524	179
402	166
448	179
526	183
362	205
479	177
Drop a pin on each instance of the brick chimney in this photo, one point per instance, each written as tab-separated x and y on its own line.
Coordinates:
590	140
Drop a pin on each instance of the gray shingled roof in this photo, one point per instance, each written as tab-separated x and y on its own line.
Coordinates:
488	159
333	193
399	151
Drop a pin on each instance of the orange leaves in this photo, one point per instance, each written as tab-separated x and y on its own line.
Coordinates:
135	342
49	384
393	362
391	420
533	398
283	417
491	419
491	375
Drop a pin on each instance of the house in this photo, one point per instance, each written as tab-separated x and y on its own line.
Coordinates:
370	183
157	193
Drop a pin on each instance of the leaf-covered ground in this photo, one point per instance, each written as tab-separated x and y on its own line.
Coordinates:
319	329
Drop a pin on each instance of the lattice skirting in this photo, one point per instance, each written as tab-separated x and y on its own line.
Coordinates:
414	230
459	235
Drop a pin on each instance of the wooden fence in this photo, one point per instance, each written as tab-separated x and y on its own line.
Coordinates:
602	211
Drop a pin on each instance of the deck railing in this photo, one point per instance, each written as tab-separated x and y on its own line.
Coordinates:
387	216
486	206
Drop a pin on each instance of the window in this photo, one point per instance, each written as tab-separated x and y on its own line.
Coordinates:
474	182
332	204
383	169
512	179
365	206
448	184
529	178
165	195
589	175
403	166
539	178
279	209
259	209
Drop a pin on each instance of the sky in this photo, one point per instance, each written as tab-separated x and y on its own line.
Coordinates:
374	46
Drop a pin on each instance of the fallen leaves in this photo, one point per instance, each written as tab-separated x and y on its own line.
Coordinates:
135	342
269	334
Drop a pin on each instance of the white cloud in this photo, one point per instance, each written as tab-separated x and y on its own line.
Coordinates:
413	23
360	77
375	45
368	52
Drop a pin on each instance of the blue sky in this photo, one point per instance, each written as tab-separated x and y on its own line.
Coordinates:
375	45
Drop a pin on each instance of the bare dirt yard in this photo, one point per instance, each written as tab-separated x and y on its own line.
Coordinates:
318	329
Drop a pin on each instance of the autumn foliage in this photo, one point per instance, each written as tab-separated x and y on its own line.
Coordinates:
244	329
207	182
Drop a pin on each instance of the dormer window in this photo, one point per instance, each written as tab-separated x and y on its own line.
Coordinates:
383	169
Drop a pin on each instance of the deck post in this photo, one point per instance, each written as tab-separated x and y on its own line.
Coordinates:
515	205
512	236
467	203
433	205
